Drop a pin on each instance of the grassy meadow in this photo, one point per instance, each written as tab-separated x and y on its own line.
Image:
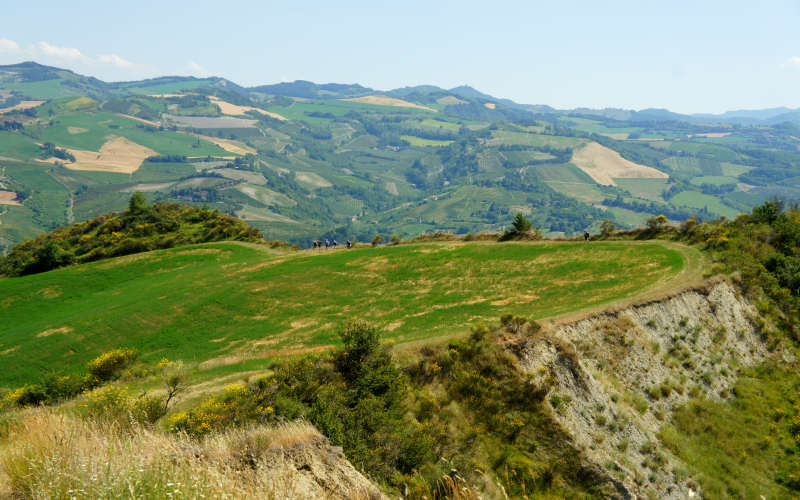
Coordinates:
229	305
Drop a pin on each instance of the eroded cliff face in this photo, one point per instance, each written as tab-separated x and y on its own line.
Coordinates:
616	377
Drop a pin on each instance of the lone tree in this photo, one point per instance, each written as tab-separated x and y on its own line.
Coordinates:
521	229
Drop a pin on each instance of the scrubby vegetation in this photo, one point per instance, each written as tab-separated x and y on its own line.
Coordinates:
461	412
454	418
140	228
56	456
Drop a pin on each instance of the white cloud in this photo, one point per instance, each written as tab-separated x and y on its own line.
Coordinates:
793	61
61	52
116	60
196	69
7	45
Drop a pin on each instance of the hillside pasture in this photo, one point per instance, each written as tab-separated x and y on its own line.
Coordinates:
569	180
232	146
212	122
102	126
648	189
9	198
420	142
604	165
382	100
511	138
227	304
693	199
117	155
228	108
22	106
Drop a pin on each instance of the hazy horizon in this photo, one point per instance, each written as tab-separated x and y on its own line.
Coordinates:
687	58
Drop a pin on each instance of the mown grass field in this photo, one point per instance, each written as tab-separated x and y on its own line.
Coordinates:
228	306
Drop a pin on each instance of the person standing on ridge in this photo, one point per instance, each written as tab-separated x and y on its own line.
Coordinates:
586	236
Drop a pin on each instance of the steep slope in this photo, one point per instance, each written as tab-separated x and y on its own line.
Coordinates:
620	374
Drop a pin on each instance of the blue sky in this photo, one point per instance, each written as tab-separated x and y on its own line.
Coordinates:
706	56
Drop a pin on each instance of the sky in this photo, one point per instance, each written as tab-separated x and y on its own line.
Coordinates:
686	56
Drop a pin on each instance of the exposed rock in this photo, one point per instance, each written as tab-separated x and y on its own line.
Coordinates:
616	377
318	470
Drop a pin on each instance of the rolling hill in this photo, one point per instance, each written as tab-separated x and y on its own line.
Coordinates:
302	160
226	307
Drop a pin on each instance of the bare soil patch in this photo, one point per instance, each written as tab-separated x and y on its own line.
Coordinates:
199	251
604	165
76	130
117	155
22	106
711	135
382	100
312	179
231	146
52	331
8	198
490	105
228	108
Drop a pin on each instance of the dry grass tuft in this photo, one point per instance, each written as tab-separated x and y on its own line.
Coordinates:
46	454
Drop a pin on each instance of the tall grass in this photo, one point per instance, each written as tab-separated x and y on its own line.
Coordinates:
51	455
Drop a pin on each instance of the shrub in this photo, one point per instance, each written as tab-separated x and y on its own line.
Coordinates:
377	240
113	403
521	228
109	364
657	222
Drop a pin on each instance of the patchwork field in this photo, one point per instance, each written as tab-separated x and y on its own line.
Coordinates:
22	106
604	165
117	155
235	147
212	122
8	198
234	109
230	306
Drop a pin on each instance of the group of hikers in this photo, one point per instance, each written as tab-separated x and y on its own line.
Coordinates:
329	243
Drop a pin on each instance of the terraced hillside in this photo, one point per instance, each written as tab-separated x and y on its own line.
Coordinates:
229	306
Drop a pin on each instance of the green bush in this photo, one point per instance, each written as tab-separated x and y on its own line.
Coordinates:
111	363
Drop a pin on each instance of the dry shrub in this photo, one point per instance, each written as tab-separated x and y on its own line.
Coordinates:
51	455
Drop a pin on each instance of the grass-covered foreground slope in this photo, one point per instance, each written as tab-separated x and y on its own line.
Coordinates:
227	303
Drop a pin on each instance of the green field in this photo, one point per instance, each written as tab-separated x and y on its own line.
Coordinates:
716	180
569	180
734	170
694	199
419	141
648	189
510	138
89	131
228	303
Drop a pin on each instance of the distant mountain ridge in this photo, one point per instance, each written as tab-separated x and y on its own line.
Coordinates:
31	74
